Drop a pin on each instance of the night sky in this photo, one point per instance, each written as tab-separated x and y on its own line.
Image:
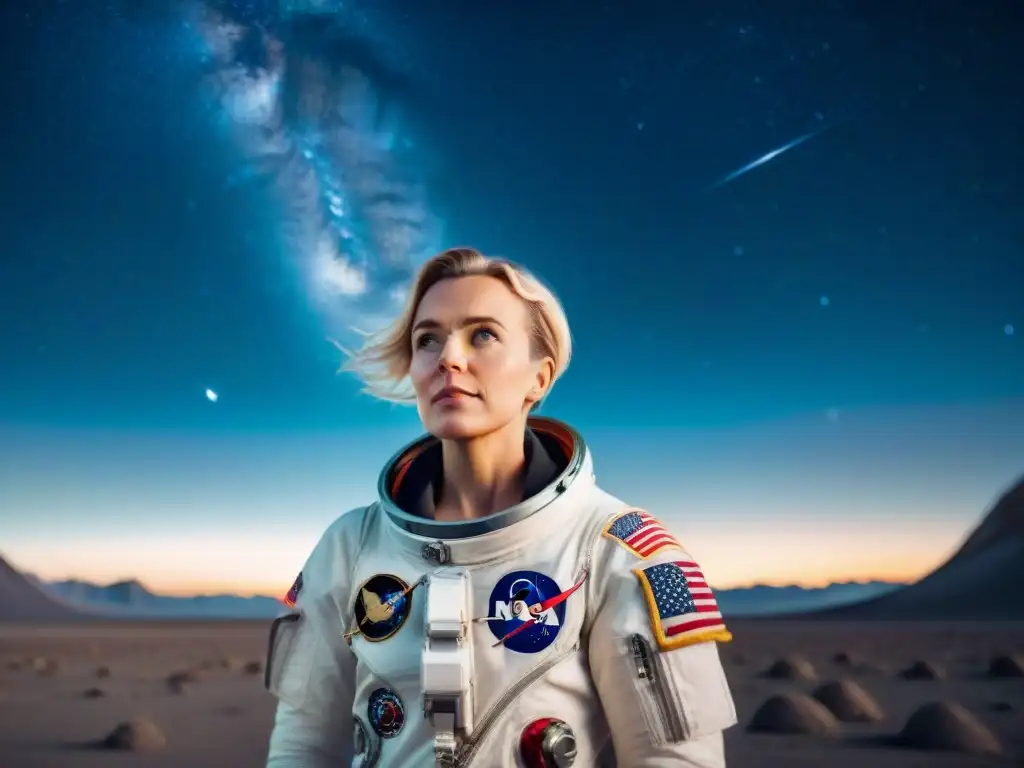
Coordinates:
812	371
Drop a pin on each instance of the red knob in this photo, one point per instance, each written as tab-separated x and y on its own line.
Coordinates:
547	743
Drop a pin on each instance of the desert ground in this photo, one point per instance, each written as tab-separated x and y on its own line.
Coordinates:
64	689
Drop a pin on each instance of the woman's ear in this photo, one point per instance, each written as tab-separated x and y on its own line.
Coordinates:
542	380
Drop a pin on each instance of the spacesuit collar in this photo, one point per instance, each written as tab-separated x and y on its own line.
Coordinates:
555	455
420	486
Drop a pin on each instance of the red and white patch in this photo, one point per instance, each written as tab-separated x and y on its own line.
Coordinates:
640	533
293	594
681	605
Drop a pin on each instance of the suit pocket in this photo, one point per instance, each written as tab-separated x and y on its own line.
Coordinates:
653	686
291	653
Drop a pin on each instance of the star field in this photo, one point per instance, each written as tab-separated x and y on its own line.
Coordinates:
788	243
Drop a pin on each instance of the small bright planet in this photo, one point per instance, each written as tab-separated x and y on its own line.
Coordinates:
211	396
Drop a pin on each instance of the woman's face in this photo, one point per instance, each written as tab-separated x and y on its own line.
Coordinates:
472	364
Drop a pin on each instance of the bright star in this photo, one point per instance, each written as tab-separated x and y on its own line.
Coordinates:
1008	329
211	396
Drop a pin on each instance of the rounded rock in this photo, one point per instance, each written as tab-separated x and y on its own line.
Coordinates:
1006	666
949	727
923	670
792	668
849	702
793	713
137	735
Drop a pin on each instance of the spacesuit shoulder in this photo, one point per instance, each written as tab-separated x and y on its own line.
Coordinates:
329	564
653	632
302	639
635	548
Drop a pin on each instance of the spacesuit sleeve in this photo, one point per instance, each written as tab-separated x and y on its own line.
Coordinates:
653	649
310	668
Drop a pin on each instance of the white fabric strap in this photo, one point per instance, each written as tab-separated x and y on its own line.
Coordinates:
447	671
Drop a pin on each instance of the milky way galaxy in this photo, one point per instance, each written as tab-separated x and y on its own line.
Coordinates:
316	110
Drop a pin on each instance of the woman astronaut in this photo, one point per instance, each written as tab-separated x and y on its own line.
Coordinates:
493	607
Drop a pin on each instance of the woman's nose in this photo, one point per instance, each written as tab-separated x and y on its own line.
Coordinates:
453	356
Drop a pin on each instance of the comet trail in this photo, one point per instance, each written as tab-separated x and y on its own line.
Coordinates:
765	158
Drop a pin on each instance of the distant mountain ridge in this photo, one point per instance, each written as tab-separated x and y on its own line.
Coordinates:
765	600
132	598
980	582
25	599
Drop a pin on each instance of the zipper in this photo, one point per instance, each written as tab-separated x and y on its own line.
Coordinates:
585	568
649	668
469	747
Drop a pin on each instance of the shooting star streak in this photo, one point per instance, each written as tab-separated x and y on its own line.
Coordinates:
765	158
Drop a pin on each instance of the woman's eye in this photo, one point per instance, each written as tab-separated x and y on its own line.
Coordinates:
424	340
483	335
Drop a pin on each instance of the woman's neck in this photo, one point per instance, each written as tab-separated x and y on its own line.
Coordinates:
483	475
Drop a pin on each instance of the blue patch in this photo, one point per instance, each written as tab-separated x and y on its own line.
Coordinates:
509	608
385	712
382	605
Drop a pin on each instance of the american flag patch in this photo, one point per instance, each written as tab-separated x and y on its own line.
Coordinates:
683	610
293	593
640	533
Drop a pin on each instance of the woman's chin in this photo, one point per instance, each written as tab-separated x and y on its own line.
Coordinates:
456	425
454	429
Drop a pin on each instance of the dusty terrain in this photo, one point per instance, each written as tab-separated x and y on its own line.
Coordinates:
223	716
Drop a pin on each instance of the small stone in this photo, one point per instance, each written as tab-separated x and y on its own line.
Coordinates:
44	666
792	668
1006	667
923	670
179	681
137	735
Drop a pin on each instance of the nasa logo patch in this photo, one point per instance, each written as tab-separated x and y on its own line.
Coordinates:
382	606
513	616
386	713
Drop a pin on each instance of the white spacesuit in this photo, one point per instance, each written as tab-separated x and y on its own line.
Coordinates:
569	629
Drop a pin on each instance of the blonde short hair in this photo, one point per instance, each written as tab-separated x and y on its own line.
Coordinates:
384	360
